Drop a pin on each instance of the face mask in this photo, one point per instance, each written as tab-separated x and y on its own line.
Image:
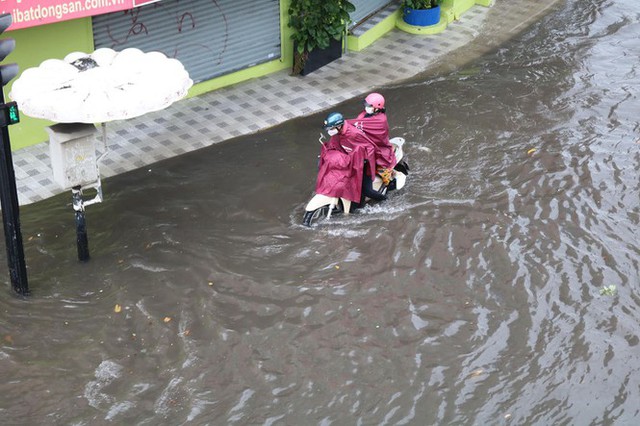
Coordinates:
369	109
332	132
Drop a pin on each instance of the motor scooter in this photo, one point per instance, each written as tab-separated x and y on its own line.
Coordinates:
323	207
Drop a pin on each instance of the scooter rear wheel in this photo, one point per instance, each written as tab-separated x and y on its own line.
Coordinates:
403	167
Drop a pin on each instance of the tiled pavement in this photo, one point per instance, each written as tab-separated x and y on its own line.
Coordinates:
204	120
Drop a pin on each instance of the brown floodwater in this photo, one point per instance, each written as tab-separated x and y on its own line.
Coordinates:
474	296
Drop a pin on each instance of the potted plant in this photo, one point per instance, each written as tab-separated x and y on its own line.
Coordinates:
318	27
421	12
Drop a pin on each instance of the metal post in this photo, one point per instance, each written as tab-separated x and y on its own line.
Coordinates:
345	37
82	240
11	215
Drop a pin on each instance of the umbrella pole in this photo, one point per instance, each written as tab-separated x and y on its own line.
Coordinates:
82	239
104	141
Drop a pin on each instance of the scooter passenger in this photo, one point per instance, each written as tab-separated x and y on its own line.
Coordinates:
373	122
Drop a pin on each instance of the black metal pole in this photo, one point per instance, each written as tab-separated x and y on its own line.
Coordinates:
11	214
82	238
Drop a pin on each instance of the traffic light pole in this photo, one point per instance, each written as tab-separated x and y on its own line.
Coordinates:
8	190
11	214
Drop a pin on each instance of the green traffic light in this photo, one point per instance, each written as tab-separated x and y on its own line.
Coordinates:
14	114
9	114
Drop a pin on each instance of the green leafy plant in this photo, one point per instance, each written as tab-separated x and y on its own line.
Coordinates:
316	23
420	4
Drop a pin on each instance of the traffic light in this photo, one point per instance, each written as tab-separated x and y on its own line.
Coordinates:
9	113
8	71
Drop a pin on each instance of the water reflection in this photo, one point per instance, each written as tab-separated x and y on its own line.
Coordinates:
470	298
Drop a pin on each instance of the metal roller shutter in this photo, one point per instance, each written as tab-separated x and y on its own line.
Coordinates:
364	8
210	37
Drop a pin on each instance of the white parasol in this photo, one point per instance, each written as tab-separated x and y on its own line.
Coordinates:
100	87
94	88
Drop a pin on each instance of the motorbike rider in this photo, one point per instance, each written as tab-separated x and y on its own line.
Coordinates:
333	173
373	122
340	168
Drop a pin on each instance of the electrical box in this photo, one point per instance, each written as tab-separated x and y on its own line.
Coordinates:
73	154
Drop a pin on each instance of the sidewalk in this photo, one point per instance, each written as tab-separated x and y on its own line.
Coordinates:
240	109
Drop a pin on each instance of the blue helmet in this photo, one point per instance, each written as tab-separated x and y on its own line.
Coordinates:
334	119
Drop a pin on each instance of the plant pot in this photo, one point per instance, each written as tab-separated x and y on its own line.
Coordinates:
307	62
421	17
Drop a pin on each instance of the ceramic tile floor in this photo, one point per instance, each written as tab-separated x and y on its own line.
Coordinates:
204	120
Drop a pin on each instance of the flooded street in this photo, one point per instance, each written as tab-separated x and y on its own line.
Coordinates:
474	296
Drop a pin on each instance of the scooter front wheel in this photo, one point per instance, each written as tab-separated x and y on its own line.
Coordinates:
312	216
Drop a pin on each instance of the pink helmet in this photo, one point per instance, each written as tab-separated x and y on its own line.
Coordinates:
376	100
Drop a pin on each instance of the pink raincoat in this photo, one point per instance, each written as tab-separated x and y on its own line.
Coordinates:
342	164
340	174
376	128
